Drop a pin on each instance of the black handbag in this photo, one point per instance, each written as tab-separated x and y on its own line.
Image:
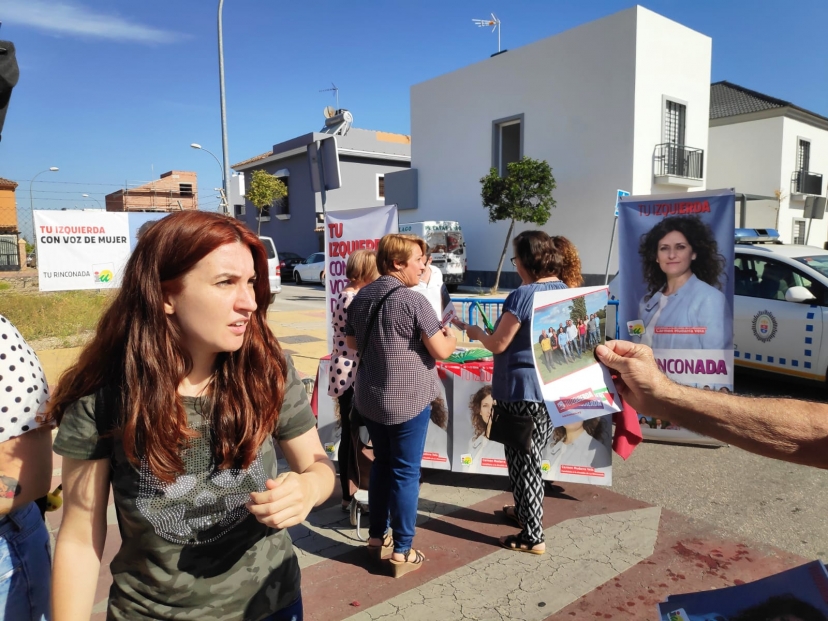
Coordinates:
512	430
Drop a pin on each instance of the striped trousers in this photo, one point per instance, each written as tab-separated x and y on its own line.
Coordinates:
525	477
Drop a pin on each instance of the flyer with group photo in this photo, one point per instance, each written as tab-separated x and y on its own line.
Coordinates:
567	326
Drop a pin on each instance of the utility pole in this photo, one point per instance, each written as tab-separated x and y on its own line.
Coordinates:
224	147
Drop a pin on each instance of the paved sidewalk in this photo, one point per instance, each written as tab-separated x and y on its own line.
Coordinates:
608	556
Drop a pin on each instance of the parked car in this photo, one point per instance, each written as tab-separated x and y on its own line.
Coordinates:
31	260
780	319
274	270
311	269
288	261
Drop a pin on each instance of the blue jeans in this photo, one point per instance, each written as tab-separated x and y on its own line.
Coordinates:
294	612
25	566
394	488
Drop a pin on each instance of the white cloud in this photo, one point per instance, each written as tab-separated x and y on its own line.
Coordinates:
70	18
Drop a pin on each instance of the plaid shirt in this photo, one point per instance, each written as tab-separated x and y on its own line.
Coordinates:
396	378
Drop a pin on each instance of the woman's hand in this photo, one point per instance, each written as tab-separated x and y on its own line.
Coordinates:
287	501
476	333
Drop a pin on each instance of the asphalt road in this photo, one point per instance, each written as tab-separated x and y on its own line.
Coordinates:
751	497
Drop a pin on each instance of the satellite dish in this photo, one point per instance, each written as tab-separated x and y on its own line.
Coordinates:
329	111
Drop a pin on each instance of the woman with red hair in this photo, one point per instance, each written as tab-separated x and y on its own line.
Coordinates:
176	404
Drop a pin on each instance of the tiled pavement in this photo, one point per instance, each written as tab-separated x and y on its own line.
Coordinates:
608	556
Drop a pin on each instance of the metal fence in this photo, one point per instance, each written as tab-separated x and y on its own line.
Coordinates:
468	311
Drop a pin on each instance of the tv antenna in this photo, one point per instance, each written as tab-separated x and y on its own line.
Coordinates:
494	22
335	90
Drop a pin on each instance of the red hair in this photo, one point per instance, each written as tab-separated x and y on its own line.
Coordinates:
138	351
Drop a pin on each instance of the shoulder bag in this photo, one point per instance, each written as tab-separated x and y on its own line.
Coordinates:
510	429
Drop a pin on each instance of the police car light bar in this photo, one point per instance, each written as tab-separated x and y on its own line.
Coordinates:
755	236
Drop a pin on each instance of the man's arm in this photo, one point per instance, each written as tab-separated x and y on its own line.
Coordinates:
786	429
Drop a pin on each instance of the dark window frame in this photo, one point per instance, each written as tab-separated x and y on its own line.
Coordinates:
497	126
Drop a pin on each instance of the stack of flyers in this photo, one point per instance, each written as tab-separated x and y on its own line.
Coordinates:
800	593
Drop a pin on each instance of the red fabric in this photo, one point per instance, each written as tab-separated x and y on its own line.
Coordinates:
627	431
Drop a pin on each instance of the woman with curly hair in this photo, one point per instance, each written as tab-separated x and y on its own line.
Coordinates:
542	263
682	268
571	262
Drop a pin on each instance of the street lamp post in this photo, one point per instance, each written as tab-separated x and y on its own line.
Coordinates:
94	199
224	202
224	148
31	199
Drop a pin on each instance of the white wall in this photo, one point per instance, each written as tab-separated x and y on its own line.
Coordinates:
579	94
792	130
748	157
672	61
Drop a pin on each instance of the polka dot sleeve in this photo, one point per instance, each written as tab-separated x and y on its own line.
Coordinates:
23	390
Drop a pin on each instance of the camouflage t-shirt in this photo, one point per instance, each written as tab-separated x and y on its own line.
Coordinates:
190	549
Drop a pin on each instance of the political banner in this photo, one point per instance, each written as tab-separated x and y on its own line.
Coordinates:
85	249
676	290
347	231
567	326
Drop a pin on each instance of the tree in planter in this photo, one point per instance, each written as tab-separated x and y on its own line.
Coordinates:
264	190
523	195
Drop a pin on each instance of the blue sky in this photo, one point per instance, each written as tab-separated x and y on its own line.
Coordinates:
112	92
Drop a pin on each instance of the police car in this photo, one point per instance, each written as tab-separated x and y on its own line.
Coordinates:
780	306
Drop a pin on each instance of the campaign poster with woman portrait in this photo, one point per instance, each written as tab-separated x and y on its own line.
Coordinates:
580	452
676	285
471	449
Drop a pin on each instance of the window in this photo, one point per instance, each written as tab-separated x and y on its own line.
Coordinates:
803	155
799	231
264	215
239	210
282	205
185	189
507	142
768	279
675	118
380	186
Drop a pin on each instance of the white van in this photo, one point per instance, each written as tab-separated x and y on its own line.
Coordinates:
274	270
448	249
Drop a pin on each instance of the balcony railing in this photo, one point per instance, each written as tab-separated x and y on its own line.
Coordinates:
678	160
806	182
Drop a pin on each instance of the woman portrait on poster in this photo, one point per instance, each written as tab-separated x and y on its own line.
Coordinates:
480	407
682	269
582	444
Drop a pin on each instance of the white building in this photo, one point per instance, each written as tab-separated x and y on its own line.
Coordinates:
765	146
618	103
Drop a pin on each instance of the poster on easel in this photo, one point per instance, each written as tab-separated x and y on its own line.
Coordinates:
676	258
473	402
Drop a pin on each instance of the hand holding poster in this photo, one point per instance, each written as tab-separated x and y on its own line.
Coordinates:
676	288
567	324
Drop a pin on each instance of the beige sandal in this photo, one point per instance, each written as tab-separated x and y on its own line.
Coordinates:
377	552
510	511
518	543
400	568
